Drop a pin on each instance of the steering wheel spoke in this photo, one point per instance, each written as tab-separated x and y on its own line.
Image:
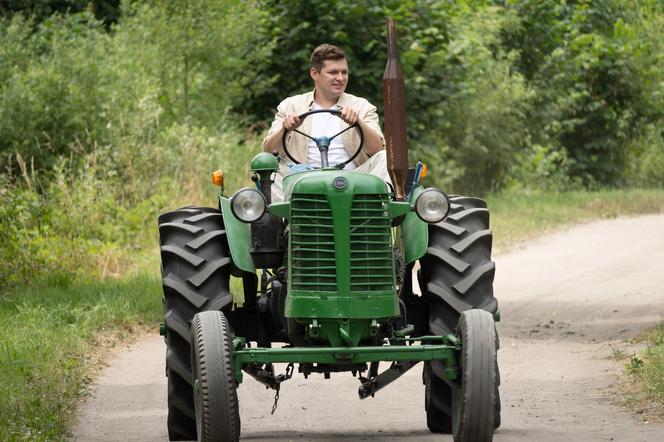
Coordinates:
339	133
306	135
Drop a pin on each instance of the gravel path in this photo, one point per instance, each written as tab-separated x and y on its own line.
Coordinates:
567	300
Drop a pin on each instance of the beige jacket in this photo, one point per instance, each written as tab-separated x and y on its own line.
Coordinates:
299	104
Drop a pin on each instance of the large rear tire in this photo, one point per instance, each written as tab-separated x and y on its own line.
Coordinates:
474	400
437	402
457	275
215	395
195	274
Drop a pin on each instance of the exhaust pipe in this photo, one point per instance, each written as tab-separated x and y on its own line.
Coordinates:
394	99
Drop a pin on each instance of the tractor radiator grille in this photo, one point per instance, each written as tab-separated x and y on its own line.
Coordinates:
313	265
312	244
372	259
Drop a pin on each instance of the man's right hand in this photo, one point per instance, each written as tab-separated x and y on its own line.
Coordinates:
292	122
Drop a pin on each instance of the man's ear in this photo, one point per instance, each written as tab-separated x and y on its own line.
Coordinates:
313	73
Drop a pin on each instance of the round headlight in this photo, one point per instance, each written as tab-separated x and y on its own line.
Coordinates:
432	205
248	205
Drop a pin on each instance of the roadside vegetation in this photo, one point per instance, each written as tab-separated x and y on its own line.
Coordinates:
519	216
648	368
113	112
643	390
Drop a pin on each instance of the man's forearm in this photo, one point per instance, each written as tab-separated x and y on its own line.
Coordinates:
272	142
373	142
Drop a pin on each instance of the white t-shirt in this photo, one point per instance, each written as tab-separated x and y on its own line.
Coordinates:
325	124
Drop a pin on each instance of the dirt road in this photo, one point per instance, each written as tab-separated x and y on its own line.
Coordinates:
567	300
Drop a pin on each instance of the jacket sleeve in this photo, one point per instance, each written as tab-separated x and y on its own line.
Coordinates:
371	120
282	111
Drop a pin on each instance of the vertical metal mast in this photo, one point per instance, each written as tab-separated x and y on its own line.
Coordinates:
394	97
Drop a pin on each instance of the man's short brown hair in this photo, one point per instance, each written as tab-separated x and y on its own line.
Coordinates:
325	52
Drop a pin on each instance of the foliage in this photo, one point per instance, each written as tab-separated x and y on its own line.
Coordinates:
53	337
203	54
106	10
470	107
518	216
94	143
102	127
648	366
596	68
92	220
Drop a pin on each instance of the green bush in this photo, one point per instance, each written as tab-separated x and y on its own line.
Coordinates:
91	220
594	68
473	121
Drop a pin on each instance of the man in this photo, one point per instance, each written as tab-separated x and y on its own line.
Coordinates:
329	71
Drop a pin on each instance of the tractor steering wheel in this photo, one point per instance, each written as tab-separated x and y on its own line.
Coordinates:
323	143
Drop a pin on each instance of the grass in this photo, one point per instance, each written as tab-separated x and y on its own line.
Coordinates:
648	367
50	336
517	217
652	371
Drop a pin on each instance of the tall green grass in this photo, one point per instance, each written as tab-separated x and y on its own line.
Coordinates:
647	369
519	216
49	336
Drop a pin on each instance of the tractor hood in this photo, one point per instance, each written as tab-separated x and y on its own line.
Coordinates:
337	187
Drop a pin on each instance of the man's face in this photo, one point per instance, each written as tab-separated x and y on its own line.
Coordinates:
332	78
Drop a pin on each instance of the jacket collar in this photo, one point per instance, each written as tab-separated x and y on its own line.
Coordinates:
341	102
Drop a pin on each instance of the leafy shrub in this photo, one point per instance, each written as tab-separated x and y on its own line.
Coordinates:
476	114
593	67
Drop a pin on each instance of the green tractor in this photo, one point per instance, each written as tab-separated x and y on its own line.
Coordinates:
328	274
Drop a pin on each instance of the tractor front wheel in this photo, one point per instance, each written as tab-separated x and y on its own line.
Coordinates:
215	395
196	266
457	275
474	399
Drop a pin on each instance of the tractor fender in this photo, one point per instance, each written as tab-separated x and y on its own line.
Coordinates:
415	233
238	235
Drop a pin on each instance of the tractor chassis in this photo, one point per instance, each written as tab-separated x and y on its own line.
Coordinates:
403	354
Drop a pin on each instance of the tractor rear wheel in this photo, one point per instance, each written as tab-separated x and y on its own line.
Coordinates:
457	273
474	400
437	402
195	275
215	395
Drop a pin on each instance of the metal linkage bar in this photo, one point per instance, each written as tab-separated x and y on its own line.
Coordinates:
344	355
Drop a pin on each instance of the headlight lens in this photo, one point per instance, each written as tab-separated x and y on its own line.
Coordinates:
248	205
432	205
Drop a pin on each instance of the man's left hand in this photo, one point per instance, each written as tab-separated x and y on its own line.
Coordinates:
350	116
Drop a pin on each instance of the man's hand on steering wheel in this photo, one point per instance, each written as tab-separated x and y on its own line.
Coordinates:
349	115
292	121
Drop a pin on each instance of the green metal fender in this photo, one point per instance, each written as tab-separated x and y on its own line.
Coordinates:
239	237
415	233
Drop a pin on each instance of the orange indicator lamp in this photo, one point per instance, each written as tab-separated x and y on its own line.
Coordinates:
218	178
